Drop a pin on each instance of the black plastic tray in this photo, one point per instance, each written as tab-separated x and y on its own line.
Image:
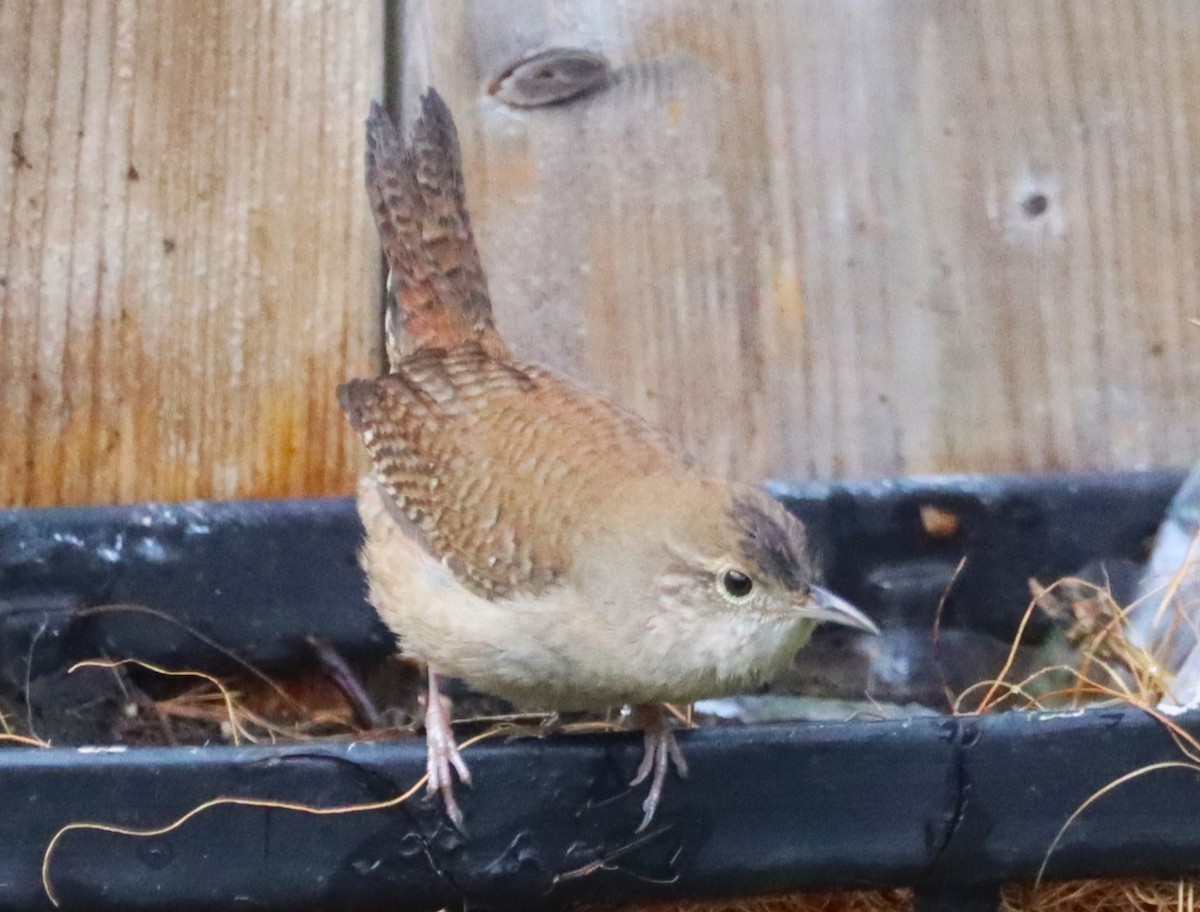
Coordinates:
950	806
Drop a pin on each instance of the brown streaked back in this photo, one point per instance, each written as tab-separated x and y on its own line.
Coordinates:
496	463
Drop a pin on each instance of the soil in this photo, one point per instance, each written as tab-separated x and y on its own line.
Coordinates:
132	704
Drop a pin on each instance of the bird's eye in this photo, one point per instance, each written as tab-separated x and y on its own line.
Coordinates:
736	584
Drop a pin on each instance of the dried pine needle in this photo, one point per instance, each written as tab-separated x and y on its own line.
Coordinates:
48	855
1127	673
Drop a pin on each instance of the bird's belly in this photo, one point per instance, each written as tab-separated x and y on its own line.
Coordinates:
551	650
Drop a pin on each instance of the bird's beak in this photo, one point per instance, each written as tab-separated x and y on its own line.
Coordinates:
823	605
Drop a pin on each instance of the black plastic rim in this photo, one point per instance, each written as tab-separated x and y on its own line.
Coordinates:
948	805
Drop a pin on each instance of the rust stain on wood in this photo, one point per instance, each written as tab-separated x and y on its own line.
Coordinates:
189	268
807	238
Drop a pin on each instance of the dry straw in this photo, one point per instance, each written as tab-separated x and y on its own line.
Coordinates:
1109	666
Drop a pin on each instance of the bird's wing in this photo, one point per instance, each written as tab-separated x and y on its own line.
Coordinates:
416	194
494	464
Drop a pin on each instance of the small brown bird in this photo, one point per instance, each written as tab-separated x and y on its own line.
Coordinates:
530	537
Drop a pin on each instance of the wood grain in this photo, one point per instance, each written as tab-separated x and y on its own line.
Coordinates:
834	238
187	266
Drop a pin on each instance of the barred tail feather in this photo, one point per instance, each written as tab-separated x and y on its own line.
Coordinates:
417	197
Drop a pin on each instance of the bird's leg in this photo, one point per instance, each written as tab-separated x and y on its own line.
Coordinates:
661	752
441	751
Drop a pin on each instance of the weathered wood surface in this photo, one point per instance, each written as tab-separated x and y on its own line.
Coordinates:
835	238
811	238
187	265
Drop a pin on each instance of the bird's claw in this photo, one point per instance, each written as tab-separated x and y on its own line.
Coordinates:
661	752
442	754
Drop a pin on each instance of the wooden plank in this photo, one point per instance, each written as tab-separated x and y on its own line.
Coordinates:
841	238
188	267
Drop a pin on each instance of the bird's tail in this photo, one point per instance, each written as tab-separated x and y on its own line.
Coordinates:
416	193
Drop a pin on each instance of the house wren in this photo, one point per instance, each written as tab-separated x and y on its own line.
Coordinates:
530	537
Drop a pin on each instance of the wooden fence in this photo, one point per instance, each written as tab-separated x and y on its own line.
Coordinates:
809	238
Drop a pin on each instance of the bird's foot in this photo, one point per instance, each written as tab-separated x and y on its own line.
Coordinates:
442	752
661	752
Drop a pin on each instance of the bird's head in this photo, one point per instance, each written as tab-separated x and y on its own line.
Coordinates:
713	549
759	561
